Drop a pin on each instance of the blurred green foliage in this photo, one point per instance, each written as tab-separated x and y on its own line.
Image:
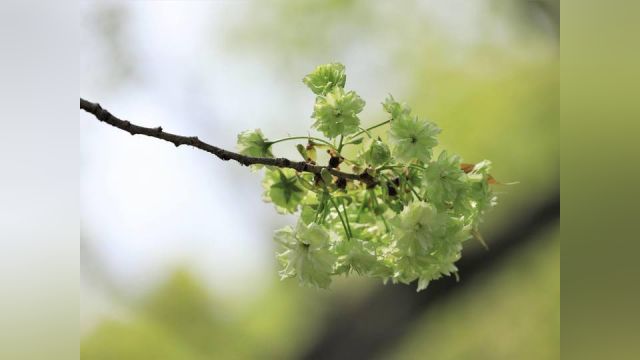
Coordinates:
511	313
182	320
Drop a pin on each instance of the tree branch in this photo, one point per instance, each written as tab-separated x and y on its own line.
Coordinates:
105	116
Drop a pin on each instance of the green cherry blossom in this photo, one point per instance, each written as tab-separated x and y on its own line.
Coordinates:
326	77
481	196
356	255
400	216
446	184
428	243
394	108
413	228
336	113
281	187
306	254
253	143
412	138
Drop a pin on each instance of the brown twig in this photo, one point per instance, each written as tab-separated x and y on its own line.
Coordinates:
105	116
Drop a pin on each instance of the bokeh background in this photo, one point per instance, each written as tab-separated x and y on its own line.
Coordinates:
176	250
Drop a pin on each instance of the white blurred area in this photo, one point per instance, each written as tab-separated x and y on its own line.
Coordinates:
147	207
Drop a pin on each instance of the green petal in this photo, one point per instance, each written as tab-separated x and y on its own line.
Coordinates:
326	77
253	143
310	258
413	138
336	113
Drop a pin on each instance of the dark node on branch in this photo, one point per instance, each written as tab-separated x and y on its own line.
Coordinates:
396	181
286	162
317	179
194	140
368	180
392	190
334	162
159	129
101	114
177	143
341	183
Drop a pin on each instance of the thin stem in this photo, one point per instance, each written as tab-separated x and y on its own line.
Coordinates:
344	225
373	203
321	206
325	212
353	141
367	132
418	167
346	216
361	209
374	200
370	128
299	138
413	166
415	193
340	145
386	226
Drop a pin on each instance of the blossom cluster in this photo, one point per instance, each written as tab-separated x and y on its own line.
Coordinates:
407	225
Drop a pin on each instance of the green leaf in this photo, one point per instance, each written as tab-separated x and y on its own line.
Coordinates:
377	153
357	141
303	152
